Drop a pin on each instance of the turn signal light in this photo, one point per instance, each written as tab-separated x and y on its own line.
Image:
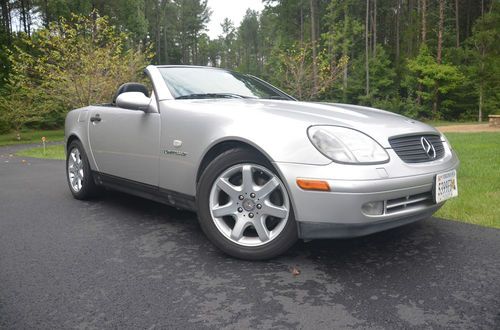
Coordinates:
316	185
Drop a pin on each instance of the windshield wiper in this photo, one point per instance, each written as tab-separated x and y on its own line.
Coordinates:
278	97
212	96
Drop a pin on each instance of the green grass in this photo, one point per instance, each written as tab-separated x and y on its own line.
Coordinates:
31	136
478	199
51	152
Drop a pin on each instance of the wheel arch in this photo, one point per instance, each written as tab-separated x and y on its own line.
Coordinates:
222	146
72	137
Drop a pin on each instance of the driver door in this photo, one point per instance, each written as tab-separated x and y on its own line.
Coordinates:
125	143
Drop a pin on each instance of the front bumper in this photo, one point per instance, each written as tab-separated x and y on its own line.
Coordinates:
404	189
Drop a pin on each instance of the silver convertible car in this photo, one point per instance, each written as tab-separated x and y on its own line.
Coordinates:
260	168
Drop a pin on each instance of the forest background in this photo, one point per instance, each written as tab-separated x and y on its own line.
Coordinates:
427	59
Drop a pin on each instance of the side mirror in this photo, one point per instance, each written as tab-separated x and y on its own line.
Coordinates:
133	101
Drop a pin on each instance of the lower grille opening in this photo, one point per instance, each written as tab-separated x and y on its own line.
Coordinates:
408	202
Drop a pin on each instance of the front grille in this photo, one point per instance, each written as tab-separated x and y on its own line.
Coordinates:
409	148
408	202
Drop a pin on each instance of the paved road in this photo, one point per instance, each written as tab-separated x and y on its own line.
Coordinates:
124	262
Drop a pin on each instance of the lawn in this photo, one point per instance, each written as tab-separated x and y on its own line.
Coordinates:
51	152
478	199
31	136
436	123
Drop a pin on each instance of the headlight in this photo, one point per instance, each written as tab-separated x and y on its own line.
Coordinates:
345	145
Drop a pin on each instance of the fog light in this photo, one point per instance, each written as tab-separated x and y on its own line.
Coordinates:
373	208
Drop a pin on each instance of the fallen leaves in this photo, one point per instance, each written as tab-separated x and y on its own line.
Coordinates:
295	271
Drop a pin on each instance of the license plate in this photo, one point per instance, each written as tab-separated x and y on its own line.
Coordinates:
446	186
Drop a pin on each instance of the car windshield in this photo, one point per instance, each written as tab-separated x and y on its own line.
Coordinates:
201	83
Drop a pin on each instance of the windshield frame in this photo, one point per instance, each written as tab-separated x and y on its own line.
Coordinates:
282	95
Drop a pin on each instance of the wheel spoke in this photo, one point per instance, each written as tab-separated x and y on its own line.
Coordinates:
239	228
267	188
73	156
275	211
224	210
260	227
227	187
247	179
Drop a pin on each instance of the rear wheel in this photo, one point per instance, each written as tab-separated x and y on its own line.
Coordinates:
244	207
78	173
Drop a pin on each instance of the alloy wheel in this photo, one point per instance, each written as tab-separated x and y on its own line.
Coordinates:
249	204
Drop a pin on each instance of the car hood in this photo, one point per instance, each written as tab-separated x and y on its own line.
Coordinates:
376	123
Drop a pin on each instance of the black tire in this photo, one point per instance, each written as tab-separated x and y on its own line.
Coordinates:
287	237
89	188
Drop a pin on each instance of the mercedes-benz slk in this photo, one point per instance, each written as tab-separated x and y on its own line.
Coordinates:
260	168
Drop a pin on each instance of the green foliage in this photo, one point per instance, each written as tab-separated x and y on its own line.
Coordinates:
68	65
484	58
429	78
404	72
383	78
127	15
294	71
248	34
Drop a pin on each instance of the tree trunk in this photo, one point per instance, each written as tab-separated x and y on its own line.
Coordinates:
481	88
314	50
165	46
439	56
480	115
411	7
457	26
398	10
374	28
23	15
440	32
467	20
367	48
46	19
4	4
158	35
424	21
163	8
345	50
301	25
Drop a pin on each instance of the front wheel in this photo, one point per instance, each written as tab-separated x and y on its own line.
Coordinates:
244	207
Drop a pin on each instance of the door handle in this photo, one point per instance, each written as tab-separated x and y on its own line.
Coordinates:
96	117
